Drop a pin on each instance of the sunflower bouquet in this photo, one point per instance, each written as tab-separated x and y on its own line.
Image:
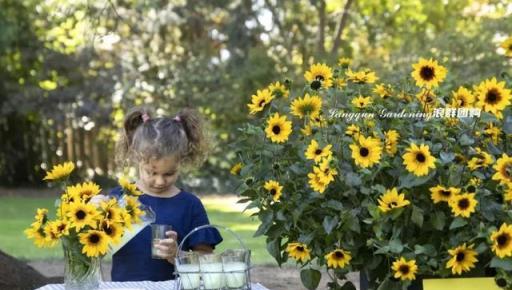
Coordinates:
396	180
86	228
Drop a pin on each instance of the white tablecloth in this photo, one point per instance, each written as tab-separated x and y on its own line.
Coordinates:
146	285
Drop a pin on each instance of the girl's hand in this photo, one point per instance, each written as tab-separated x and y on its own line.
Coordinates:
168	247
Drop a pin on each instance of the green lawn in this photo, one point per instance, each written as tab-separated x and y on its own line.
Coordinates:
17	213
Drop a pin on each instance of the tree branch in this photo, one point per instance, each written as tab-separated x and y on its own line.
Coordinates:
341	26
321	30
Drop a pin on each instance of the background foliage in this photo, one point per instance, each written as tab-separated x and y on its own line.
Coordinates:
70	69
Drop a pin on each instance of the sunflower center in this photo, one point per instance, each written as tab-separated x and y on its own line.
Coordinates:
471	188
427	73
420	157
277	93
318	152
446	193
364	151
404	269
503	240
61	227
460	256
492	96
94	238
393	204
463	203
339	255
316	84
273	191
261	103
300	248
80	214
276	129
108	230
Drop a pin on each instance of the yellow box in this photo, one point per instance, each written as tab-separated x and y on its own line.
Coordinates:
460	284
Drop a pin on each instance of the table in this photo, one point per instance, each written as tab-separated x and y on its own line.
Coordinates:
146	285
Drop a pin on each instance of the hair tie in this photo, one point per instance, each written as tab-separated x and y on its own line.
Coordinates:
145	117
177	118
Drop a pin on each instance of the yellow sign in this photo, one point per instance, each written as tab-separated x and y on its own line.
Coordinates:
460	284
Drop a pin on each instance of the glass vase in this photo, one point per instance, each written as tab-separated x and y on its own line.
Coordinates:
80	272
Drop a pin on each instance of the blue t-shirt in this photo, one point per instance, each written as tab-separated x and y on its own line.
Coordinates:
184	212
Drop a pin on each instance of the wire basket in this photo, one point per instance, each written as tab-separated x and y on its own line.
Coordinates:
227	271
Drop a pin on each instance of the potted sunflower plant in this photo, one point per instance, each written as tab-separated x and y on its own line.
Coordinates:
87	230
398	181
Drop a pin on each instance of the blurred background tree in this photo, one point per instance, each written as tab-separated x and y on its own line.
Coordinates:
70	69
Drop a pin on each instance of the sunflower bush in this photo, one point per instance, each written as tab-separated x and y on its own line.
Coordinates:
397	180
87	229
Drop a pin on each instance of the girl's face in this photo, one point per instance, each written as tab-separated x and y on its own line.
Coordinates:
159	175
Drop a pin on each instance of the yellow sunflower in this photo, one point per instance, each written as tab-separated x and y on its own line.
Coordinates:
58	228
428	73
306	106
503	169
38	234
481	160
440	193
259	101
361	102
354	131
128	187
325	171
84	191
391	141
278	90
274	188
278	128
317	182
319	76
391	199
338	258
463	258
95	243
133	209
492	96
113	230
314	152
341	83
502	241
111	211
60	171
366	152
463	204
507	196
298	251
235	170
344	62
462	98
405	270
307	130
51	236
362	77
81	215
427	99
507	46
418	159
383	91
40	218
318	121
492	132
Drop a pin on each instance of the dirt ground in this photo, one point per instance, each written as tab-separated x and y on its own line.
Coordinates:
273	278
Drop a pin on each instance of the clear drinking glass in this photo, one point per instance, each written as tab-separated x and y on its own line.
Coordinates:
158	233
211	271
235	263
188	268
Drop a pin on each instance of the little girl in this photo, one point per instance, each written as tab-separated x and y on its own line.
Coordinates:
159	147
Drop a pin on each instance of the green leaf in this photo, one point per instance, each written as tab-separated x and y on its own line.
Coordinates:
507	125
389	285
395	246
447	157
409	180
417	216
352	179
334	204
438	220
505	264
458	223
465	140
310	278
330	223
274	249
428	250
266	222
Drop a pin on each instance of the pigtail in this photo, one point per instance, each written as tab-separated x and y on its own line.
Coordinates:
194	127
133	119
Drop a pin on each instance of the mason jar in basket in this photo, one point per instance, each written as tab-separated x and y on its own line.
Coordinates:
229	270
